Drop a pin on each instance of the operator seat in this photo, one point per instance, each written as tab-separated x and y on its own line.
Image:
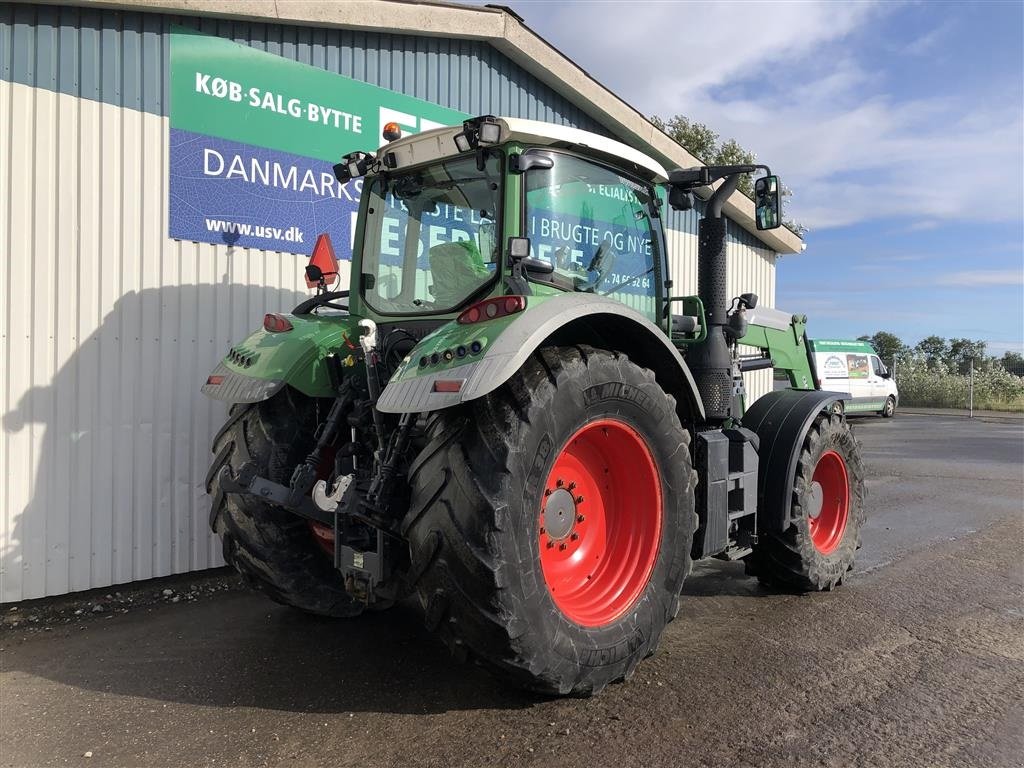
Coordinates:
457	269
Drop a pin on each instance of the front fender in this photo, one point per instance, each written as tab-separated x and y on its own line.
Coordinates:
506	343
265	362
781	420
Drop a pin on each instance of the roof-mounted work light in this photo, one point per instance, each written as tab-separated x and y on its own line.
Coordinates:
462	142
483	130
353	166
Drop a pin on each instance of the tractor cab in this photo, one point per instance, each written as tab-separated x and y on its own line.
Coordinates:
505	207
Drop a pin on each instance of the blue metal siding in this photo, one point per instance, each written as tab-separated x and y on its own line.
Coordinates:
122	58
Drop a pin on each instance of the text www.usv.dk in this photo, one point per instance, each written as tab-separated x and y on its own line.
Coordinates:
291	235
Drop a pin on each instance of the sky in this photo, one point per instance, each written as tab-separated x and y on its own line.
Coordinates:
898	125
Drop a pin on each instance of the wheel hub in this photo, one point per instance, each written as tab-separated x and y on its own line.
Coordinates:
559	514
816	500
829	502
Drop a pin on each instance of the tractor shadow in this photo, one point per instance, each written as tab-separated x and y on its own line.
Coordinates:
239	650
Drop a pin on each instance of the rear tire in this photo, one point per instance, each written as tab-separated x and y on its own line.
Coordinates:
488	541
818	548
889	409
274	549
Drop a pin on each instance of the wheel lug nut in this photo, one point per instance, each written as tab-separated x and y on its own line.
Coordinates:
547	491
559	482
579	499
542	531
571	485
550	543
580	518
562	545
574	536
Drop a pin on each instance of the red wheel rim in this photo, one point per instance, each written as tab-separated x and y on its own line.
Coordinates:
600	523
830	502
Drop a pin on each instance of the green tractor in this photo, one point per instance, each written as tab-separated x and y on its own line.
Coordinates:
511	417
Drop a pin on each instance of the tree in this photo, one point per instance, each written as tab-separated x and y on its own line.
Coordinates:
1013	362
888	346
731	153
962	352
934	348
703	143
699	140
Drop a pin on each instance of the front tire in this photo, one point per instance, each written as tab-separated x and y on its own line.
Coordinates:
552	521
889	409
818	548
274	549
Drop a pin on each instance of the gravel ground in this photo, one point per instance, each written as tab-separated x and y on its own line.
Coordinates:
917	661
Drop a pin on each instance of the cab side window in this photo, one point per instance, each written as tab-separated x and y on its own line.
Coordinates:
597	229
877	366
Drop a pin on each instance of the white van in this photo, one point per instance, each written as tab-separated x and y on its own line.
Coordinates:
853	367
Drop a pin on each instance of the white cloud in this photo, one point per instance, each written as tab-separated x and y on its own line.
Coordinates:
788	81
928	41
982	277
675	49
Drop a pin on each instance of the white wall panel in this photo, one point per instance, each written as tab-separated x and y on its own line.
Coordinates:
109	328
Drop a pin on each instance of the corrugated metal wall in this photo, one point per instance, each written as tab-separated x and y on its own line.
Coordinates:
108	327
122	58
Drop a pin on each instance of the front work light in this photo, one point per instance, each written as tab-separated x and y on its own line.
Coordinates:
462	142
490	133
480	130
353	165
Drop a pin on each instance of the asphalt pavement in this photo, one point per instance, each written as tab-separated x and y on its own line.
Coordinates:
918	660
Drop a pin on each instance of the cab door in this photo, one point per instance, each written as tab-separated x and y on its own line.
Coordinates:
881	384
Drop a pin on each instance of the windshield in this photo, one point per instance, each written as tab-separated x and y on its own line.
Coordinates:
597	228
429	243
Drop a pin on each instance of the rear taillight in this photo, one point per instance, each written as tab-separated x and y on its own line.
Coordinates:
214	381
489	309
276	323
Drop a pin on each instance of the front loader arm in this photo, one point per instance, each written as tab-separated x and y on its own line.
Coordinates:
783	338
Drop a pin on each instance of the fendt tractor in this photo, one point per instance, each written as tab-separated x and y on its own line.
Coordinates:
510	415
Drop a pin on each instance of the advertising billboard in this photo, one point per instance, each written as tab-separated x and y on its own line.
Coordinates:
253	137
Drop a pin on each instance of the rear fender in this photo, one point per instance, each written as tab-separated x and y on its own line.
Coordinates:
506	344
265	362
781	420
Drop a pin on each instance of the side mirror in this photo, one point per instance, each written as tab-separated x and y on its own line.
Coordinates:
314	274
766	202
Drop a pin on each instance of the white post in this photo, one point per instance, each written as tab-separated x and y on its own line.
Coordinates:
972	388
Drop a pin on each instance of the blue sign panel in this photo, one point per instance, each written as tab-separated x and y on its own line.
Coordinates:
253	197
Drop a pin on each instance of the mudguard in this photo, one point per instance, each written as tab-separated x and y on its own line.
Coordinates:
444	360
261	365
781	420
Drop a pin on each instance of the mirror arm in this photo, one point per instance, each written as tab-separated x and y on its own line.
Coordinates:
717	200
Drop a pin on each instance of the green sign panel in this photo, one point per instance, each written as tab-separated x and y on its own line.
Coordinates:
253	138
